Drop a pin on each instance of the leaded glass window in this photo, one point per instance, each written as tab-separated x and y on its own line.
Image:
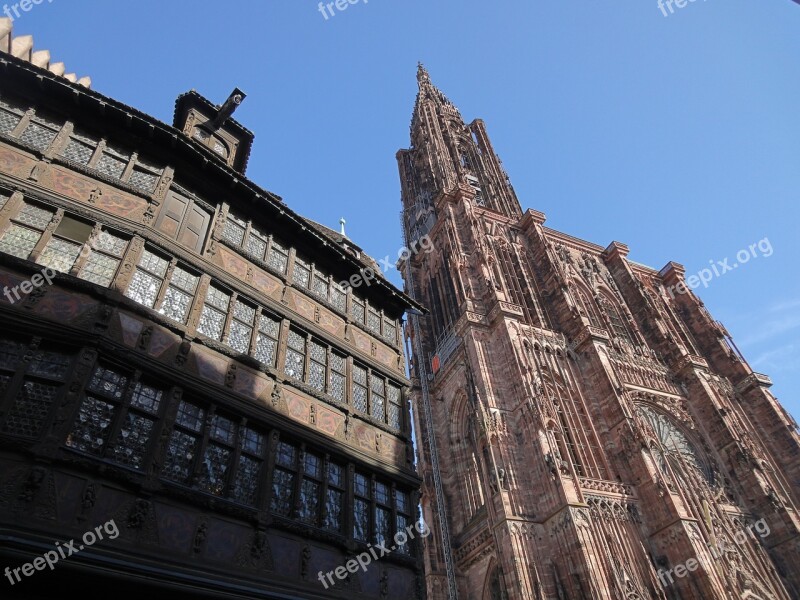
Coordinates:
26	230
148	278
103	261
320	285
217	456
358	310
116	418
374	321
378	404
302	273
112	162
674	450
278	257
383	514
395	418
257	244
34	400
38	134
10	116
234	230
311	489
215	311
318	366
360	388
334	498
283	479
80	148
338	298
241	330
144	177
179	295
245	484
295	355
184	442
361	507
267	339
59	255
390	331
403	506
338	377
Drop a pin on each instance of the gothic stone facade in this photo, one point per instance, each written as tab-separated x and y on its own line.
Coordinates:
584	434
178	363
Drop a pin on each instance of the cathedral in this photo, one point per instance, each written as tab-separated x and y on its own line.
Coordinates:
584	432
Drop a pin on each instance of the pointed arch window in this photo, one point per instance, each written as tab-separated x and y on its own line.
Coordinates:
618	326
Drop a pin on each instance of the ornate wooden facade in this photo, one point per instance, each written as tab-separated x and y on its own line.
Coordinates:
191	370
584	434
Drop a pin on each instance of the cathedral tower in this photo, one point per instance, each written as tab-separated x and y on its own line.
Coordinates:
584	430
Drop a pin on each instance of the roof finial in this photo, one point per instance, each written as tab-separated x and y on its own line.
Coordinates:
422	73
342	223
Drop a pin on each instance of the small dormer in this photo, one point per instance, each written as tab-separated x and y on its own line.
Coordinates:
212	127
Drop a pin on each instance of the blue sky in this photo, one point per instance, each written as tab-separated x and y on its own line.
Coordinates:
678	135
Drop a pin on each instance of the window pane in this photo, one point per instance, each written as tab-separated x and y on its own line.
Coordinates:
245	486
35	216
382	493
337	386
383	525
256	247
49	364
265	349
218	299
333	510
93	426
244	313
360	398
30	409
143	180
190	416
402	502
302	273
402	523
176	304
312	465
131	443
37	136
309	501
282	487
146	397
184	280
153	263
213	469
296	341
223	430
233	232
143	288
278	257
110	244
295	364
320	287
108	382
358	311
335	475
180	454
338	298
99	269
361	485
361	520
287	455
111	166
78	152
252	441
211	323
269	326
374	321
19	241
389	332
8	121
239	337
316	376
59	255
